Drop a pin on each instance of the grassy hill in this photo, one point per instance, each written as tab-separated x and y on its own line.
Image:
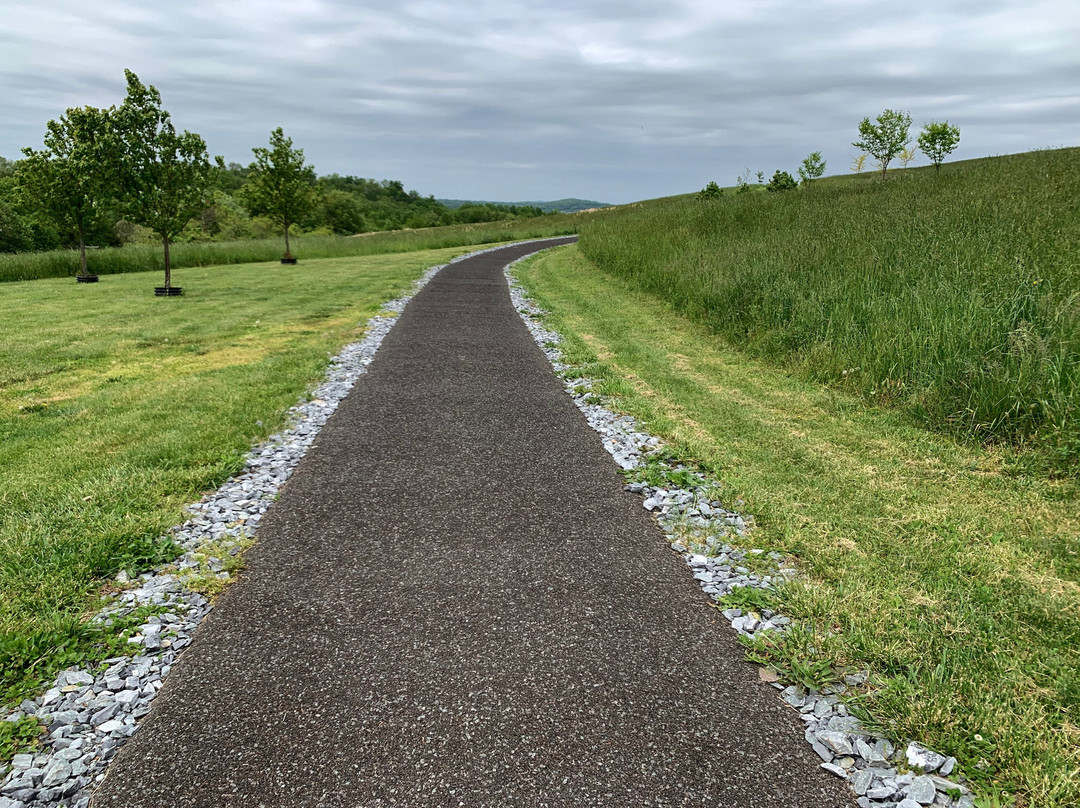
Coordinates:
951	294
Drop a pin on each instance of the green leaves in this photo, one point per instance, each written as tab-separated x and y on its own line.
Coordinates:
164	175
938	140
19	736
886	138
711	191
70	180
781	181
812	168
280	186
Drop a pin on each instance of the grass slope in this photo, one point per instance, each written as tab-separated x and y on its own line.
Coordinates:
956	295
957	583
117	408
149	257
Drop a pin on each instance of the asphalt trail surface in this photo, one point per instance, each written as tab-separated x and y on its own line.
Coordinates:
454	603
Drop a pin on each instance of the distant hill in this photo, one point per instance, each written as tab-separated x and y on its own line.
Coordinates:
560	205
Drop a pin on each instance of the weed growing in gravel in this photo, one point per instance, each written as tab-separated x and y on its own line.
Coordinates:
748	598
19	736
795	655
217	563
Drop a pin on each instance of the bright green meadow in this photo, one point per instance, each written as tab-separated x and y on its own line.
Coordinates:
955	294
954	580
117	408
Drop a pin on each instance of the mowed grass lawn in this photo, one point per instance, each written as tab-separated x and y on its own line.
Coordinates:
117	408
956	581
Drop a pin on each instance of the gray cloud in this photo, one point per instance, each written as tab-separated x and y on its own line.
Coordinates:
513	100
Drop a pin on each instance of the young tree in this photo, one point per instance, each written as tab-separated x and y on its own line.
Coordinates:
938	140
69	180
812	168
164	175
711	191
859	163
280	186
743	182
886	138
781	181
906	156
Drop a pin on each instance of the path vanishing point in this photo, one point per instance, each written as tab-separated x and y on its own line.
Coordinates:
455	603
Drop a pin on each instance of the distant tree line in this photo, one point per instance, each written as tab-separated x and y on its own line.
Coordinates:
109	177
886	138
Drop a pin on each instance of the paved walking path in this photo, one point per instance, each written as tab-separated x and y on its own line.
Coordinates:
454	603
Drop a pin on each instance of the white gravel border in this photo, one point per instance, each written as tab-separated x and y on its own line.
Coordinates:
699	528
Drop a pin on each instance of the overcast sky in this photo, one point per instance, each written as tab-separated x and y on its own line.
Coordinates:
615	100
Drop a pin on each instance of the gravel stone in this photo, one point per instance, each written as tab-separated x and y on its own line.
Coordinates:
837	741
833	769
860	781
57	773
922	790
880	792
919	757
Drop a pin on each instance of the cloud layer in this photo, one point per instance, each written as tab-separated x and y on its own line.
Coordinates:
512	100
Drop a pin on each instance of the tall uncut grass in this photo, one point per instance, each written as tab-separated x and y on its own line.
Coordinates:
149	257
955	294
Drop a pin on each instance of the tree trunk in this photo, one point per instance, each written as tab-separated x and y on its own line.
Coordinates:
82	252
168	265
287	253
884	165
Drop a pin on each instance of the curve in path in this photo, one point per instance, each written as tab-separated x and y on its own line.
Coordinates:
454	603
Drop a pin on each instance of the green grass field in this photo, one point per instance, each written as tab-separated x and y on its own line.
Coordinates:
117	408
956	296
150	257
955	580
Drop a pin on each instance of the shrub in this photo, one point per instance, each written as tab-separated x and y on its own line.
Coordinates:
781	181
711	191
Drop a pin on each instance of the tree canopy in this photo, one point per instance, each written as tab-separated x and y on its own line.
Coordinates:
938	140
164	174
812	168
280	186
69	179
885	138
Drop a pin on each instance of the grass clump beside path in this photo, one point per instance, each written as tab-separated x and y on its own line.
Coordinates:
955	581
149	257
955	294
117	408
